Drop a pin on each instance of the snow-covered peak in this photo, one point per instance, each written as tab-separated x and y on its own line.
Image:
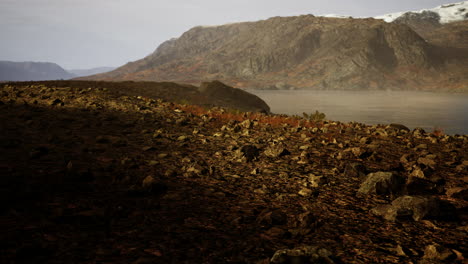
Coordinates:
335	15
448	13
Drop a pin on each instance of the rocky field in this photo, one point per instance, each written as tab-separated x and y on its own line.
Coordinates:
98	175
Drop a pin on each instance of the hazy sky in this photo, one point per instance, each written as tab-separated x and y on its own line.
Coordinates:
92	33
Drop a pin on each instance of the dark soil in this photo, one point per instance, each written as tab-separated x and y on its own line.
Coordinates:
100	176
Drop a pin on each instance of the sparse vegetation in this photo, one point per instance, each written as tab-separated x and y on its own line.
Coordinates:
315	117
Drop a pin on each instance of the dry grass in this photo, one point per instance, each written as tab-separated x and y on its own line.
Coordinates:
272	120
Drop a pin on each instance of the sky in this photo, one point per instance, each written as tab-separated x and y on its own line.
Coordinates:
82	34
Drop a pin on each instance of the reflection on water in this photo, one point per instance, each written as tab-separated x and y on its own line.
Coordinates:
446	111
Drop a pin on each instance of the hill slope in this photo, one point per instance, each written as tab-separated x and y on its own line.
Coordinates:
32	71
303	51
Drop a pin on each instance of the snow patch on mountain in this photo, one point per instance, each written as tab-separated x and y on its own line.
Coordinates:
448	13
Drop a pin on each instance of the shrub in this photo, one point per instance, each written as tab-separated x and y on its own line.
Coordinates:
316	117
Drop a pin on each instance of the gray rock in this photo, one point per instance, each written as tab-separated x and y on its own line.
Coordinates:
302	255
382	183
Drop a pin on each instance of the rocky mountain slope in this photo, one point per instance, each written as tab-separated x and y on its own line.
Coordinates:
32	71
307	52
95	174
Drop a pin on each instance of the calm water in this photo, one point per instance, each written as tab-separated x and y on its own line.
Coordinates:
446	111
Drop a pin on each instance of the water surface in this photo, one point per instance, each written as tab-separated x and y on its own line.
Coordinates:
428	110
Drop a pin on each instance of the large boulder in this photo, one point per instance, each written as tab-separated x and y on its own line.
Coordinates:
382	183
416	208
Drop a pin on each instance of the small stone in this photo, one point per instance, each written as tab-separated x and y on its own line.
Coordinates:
399	251
182	138
317	181
255	171
276	232
427	162
276	151
148	148
418	173
148	181
58	102
305	192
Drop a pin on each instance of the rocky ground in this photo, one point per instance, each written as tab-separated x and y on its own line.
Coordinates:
96	176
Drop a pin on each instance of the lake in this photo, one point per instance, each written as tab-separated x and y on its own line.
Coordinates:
428	110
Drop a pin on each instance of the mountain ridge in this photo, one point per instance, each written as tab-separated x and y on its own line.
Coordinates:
305	52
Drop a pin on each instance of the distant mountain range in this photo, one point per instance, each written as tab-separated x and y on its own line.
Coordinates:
39	71
32	71
423	50
87	72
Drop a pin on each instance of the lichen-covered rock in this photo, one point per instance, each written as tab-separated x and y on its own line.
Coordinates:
416	208
436	253
382	183
302	255
276	151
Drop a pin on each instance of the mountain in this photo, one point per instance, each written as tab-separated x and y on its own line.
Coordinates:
32	71
87	72
307	52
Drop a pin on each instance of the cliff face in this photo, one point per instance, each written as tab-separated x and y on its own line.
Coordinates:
303	51
32	71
